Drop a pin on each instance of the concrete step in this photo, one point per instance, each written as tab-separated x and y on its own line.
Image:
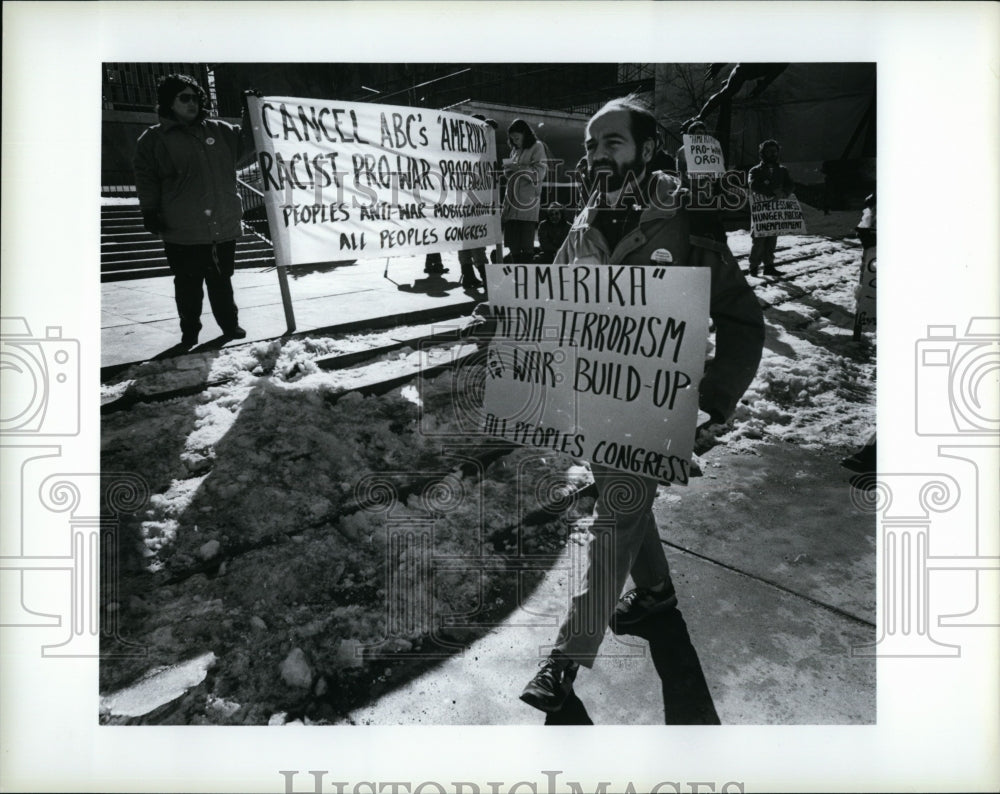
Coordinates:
120	225
142	238
150	243
134	255
126	237
131	275
145	258
156	258
128	251
125	271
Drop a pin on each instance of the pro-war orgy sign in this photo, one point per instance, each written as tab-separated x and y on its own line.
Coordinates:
350	180
601	362
703	155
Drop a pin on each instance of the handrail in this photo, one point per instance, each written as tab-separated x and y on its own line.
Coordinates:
249	187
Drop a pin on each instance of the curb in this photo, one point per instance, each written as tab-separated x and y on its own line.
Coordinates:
448	312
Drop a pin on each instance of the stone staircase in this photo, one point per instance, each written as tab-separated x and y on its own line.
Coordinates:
128	251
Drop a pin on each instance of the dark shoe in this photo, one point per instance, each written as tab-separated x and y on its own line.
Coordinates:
189	341
753	272
863	461
638	604
770	271
471	283
553	682
235	333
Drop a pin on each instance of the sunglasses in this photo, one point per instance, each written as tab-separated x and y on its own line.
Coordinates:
188	97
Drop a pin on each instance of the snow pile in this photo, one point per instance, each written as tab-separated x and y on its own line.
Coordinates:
158	688
815	385
812	398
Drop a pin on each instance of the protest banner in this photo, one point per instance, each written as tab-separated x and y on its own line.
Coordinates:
352	180
864	315
601	362
704	155
770	217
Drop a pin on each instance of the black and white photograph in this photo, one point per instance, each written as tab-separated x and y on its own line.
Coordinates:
466	397
337	528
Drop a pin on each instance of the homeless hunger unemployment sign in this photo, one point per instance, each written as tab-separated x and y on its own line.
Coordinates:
601	362
351	180
770	217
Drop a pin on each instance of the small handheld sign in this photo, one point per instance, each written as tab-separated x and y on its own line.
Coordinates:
703	155
770	217
864	316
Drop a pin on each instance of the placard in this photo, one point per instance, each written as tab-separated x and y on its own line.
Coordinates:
864	318
703	155
770	217
352	180
601	362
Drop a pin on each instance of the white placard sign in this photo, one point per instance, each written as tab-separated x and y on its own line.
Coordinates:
770	217
865	314
601	362
352	180
703	155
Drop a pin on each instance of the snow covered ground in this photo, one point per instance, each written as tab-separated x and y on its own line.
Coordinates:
268	539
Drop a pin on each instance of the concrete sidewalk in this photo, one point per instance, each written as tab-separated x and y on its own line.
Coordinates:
776	585
139	317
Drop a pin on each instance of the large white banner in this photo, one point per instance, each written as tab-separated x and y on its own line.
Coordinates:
601	362
351	180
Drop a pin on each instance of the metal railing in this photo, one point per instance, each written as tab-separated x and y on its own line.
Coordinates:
117	184
121	184
249	183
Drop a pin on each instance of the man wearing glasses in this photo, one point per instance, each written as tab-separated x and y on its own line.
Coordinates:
185	176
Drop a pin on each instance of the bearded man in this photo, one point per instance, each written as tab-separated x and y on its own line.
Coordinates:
635	217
